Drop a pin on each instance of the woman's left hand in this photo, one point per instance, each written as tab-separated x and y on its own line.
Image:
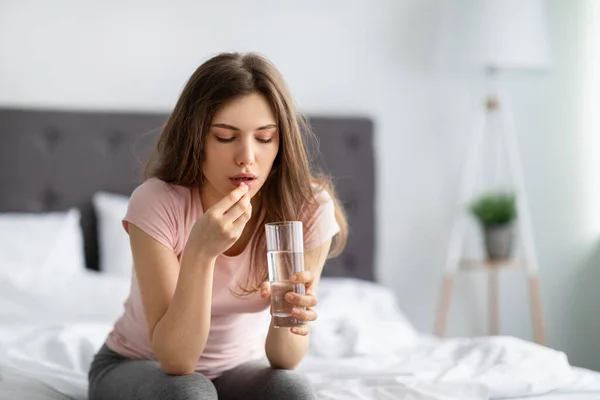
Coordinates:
308	300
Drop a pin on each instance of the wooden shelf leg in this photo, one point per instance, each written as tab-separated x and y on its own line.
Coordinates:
536	309
444	305
493	301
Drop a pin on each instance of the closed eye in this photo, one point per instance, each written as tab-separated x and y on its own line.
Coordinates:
231	139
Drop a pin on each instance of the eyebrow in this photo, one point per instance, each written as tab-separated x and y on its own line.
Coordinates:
233	128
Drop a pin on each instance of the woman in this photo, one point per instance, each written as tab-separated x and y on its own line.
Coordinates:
230	159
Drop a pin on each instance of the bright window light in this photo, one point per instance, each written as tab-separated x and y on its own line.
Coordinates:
590	129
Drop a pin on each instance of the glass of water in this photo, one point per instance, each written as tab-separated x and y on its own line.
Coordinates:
285	256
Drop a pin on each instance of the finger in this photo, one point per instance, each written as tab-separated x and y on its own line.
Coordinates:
228	201
239	224
302	277
301	300
300	330
245	216
238	209
265	290
305	315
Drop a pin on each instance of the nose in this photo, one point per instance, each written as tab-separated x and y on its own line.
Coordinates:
245	153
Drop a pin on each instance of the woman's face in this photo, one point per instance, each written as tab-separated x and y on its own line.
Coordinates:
240	146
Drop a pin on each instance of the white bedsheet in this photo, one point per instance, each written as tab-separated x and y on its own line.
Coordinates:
440	371
49	332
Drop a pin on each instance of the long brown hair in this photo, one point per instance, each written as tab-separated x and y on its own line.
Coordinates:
290	187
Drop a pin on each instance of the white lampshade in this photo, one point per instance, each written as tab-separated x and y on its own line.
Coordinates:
512	34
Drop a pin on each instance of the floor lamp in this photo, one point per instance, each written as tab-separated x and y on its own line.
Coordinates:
512	35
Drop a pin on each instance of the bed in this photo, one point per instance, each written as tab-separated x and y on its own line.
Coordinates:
64	273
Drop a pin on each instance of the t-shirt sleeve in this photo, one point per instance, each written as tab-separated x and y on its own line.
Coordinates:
320	221
152	208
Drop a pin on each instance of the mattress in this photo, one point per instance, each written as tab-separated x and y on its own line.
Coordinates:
50	330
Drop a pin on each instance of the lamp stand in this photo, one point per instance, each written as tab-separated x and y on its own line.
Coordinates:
454	264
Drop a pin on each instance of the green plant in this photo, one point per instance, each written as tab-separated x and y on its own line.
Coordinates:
492	209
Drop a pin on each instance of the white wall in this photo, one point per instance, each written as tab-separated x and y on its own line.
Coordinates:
383	59
556	147
557	127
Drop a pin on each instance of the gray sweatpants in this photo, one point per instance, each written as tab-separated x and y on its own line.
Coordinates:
114	377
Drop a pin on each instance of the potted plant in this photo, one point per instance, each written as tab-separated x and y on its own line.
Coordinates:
496	212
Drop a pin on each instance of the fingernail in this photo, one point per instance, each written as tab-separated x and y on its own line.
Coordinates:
293	278
295	330
263	293
295	311
289	297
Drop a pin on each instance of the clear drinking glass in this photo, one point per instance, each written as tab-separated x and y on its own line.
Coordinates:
285	256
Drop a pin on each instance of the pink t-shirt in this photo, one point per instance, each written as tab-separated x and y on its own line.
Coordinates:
167	213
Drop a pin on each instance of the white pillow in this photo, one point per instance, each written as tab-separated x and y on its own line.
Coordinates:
358	317
355	318
113	241
41	244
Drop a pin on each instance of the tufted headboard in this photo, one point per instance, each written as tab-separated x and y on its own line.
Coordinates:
52	160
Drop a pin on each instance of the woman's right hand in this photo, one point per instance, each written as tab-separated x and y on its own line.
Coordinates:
222	224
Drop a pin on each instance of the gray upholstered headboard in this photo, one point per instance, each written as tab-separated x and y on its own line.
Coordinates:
51	160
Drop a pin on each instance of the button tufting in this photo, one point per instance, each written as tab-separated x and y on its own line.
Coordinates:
350	262
352	141
350	204
115	139
49	199
52	137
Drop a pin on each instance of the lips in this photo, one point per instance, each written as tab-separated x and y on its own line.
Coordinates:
243	177
248	179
